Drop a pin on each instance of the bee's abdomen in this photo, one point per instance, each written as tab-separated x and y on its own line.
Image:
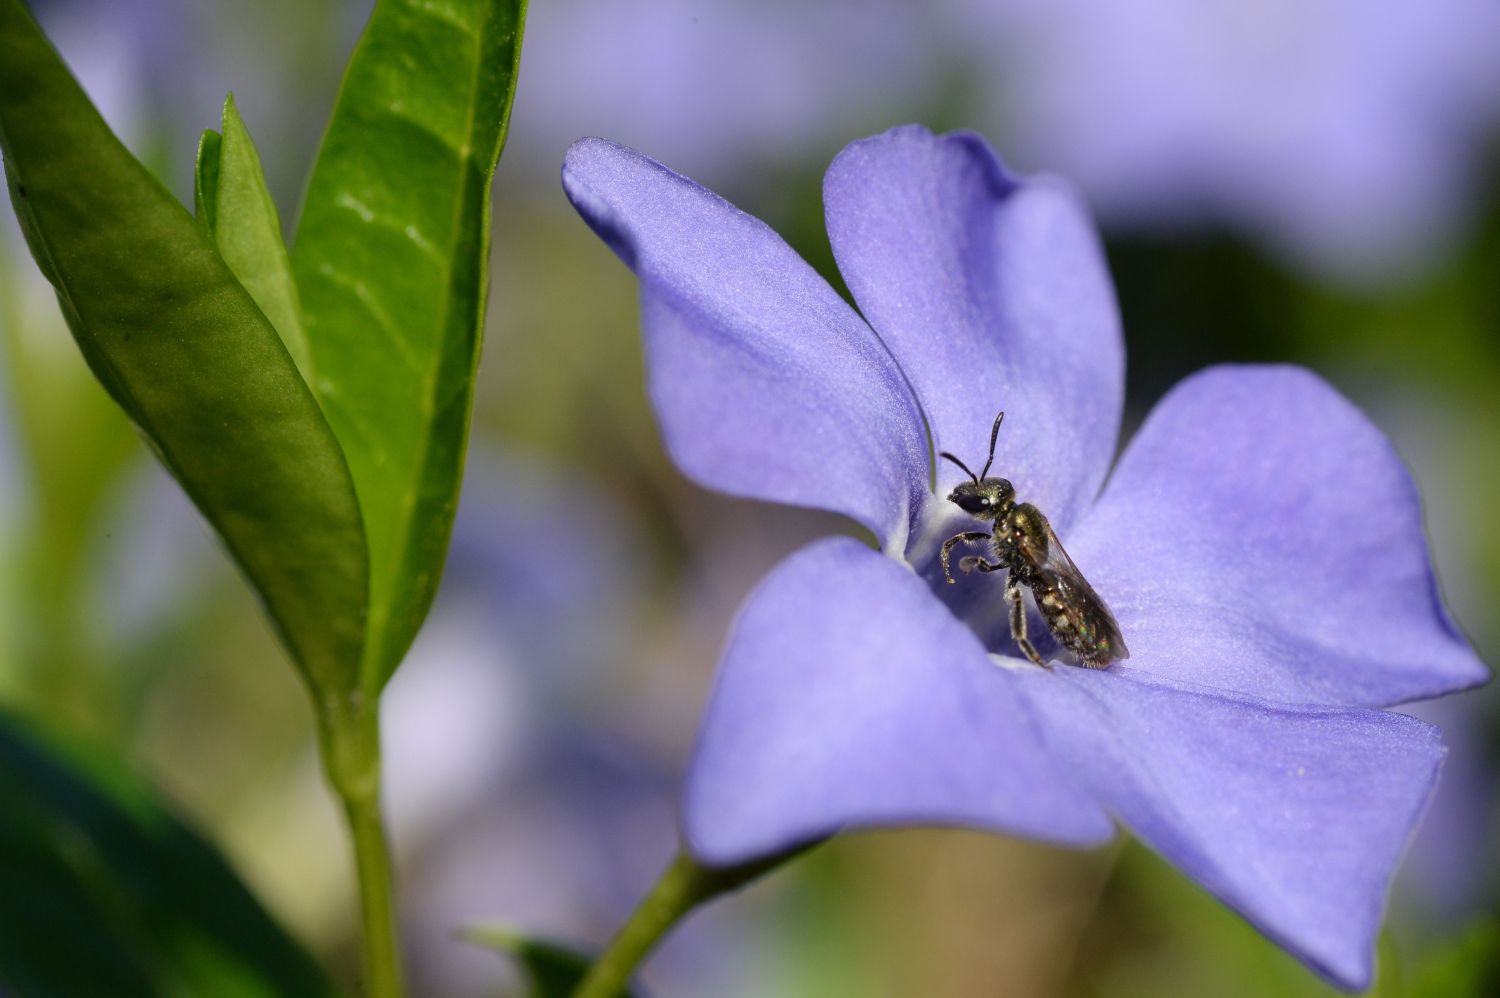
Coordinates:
1073	628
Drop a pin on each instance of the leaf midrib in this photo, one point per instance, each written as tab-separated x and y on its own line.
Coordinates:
374	670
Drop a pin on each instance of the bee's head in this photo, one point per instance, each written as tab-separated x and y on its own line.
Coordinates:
985	499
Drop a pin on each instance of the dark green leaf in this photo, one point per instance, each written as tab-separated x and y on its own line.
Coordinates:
552	970
232	200
391	263
184	349
107	893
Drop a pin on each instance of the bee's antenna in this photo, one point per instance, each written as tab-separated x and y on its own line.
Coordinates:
994	434
960	464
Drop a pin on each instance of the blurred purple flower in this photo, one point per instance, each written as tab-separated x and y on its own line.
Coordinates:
518	549
747	83
1346	133
110	49
509	796
1259	542
1451	870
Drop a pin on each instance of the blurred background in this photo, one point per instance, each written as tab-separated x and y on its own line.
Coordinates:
1314	181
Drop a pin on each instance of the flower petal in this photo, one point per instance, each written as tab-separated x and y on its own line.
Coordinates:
766	382
993	294
1261	535
1293	816
848	696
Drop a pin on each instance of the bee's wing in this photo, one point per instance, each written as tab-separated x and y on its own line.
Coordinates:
1089	612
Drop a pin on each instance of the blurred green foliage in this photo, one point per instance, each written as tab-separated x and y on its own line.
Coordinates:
1466	966
106	892
551	969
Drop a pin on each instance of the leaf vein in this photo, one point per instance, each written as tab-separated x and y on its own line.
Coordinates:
379	317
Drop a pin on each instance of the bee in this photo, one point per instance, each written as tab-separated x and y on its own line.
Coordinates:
1023	543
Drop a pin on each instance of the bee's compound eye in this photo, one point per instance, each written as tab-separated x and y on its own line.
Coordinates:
971	503
985	501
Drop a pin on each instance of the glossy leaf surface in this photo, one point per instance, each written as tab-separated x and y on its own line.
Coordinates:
107	893
184	349
391	258
232	201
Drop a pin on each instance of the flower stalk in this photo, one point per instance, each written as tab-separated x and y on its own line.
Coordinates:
682	887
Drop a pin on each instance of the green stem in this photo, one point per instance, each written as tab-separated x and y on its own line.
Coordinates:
684	886
376	901
351	756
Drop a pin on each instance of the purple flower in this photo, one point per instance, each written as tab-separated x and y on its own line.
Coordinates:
1345	133
1259	543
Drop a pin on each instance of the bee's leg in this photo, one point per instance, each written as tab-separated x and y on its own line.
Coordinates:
974	562
968	536
1018	620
